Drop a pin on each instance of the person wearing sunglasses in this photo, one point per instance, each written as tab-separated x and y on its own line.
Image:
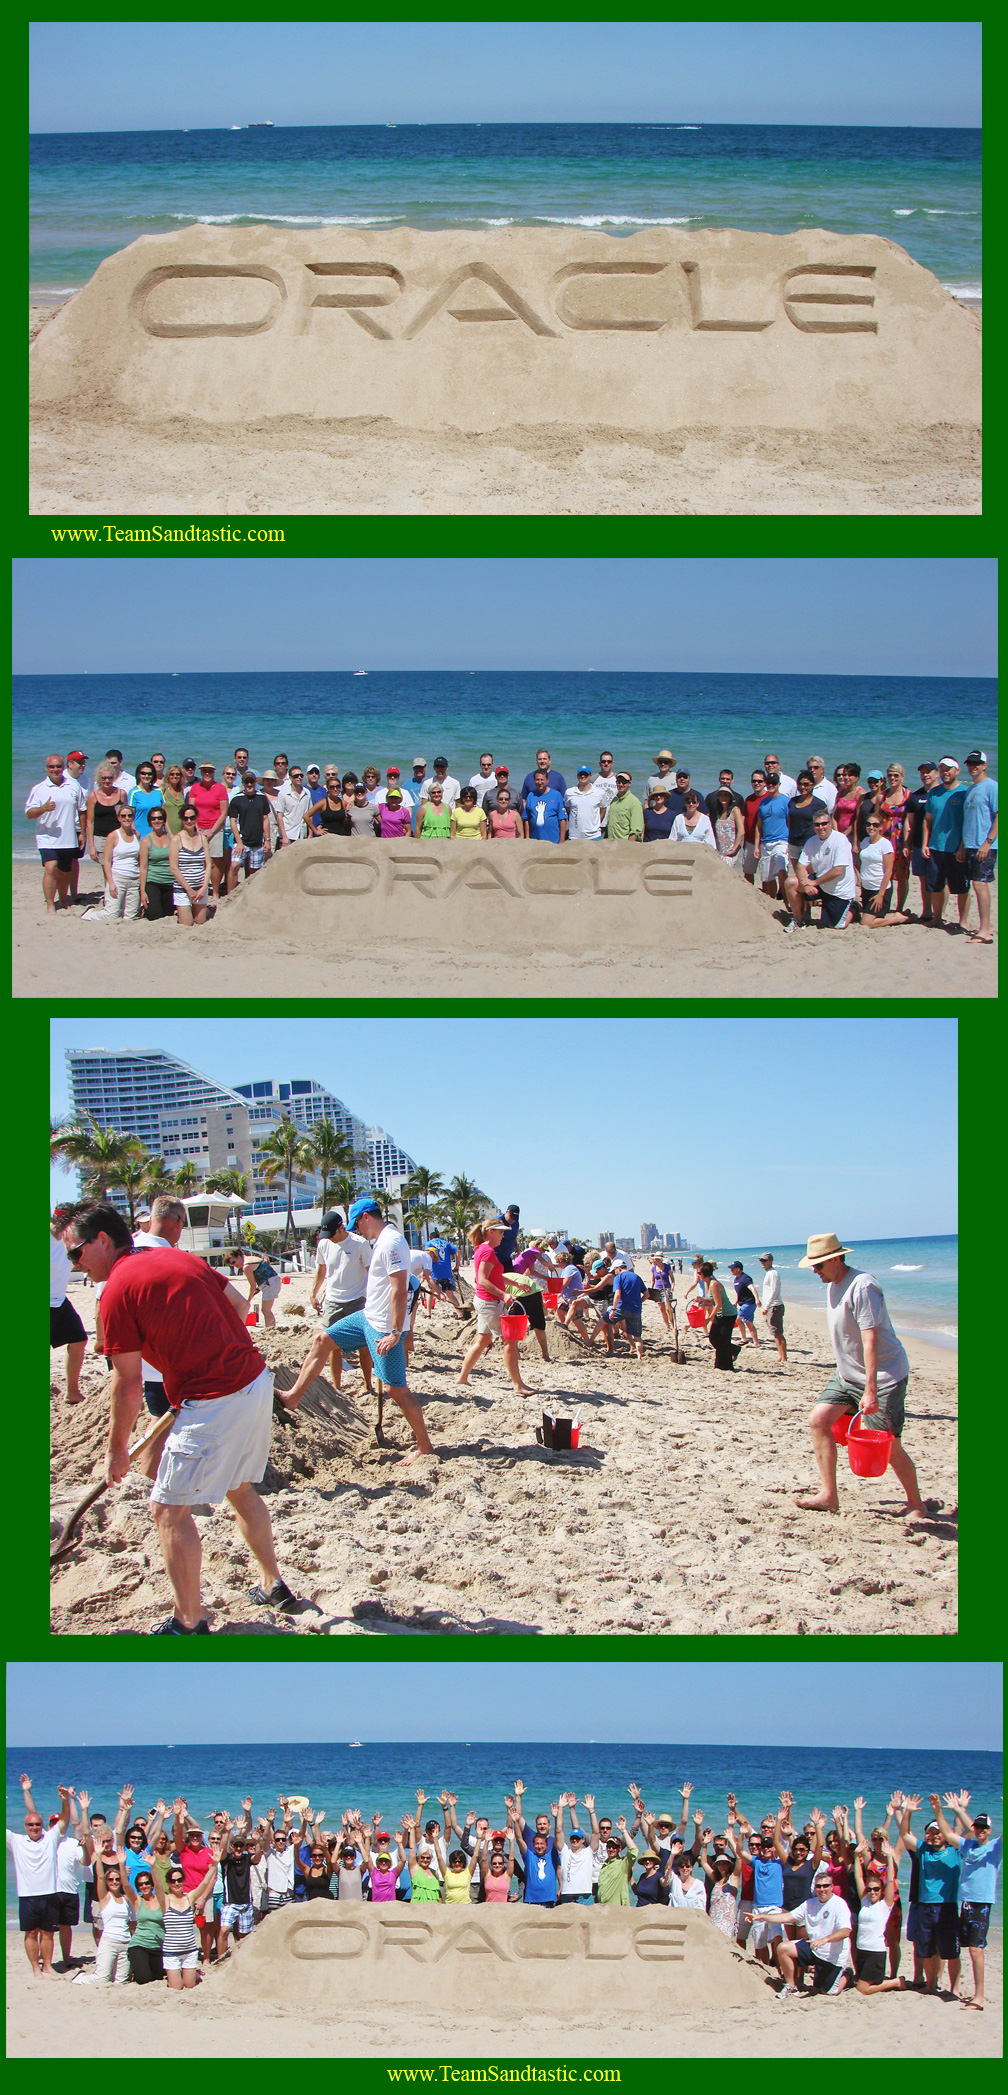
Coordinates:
181	1953
121	868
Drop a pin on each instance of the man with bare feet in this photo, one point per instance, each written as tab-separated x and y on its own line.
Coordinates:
980	1857
934	1928
380	1326
870	1379
186	1320
34	1855
773	1302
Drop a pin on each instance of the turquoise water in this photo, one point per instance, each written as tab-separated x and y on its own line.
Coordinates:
919	1277
92	193
390	716
383	1778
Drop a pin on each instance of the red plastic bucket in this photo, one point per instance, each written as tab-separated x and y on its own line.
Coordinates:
514	1327
841	1428
867	1449
550	1301
286	1280
695	1316
253	1317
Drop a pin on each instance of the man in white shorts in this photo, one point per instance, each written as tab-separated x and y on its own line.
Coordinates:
187	1321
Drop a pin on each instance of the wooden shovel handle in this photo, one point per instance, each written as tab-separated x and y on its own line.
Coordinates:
64	1539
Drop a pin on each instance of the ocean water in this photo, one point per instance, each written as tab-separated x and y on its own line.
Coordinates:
92	193
919	1277
388	717
375	1777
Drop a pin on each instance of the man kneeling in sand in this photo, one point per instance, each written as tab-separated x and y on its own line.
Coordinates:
381	1326
871	1375
175	1312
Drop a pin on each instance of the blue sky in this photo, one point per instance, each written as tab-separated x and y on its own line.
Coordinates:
94	76
605	1123
814	1704
798	617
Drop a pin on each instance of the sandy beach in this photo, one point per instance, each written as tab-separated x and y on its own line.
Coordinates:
63	957
498	1535
60	2020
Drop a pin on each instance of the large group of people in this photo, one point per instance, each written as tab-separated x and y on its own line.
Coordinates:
176	1337
817	1901
171	837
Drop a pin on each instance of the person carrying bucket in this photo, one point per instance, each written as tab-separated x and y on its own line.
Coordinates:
868	1387
491	1296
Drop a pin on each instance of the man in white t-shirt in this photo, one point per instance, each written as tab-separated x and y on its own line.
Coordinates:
778	781
870	1382
773	1302
294	805
577	1855
380	1326
451	787
34	1856
586	804
71	1871
341	1269
825	868
56	806
484	780
605	777
822	787
824	1949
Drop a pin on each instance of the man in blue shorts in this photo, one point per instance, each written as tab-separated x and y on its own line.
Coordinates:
978	850
980	1857
380	1326
934	1929
626	1311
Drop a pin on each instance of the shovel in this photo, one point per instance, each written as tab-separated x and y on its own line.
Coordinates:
64	1541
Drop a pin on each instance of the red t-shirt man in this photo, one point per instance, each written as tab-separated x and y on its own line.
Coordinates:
173	1309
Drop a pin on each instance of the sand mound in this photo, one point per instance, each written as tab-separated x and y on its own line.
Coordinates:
555	1958
526	328
509	899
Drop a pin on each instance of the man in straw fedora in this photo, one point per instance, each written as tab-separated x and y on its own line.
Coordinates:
870	1378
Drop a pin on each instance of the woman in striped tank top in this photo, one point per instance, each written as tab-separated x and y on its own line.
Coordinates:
180	1955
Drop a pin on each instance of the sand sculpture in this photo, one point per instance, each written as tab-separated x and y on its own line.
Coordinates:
586	899
668	329
550	1961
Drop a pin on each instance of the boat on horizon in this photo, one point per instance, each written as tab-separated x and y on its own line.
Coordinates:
360	672
266	125
353	1742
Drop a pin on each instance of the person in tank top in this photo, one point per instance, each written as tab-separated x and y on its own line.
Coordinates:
121	868
180	1953
190	864
156	883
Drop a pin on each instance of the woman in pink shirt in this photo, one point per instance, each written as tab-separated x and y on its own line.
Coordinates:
392	819
491	1294
502	820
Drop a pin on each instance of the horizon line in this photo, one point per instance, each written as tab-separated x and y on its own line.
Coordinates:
687	1745
418	669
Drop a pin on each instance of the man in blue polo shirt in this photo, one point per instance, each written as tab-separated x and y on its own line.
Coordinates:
943	834
555	779
980	1857
545	811
978	850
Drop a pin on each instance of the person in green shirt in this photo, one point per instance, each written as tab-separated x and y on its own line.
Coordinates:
433	818
613	1887
626	815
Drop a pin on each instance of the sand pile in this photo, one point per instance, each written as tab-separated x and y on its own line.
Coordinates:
479	332
674	1515
383	1958
627	896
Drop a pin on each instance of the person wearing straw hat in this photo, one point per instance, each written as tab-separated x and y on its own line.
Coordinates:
870	1379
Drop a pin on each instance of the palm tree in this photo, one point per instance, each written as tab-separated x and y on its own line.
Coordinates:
384	1198
422	1190
99	1153
457	1211
186	1180
285	1153
133	1178
344	1190
332	1154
